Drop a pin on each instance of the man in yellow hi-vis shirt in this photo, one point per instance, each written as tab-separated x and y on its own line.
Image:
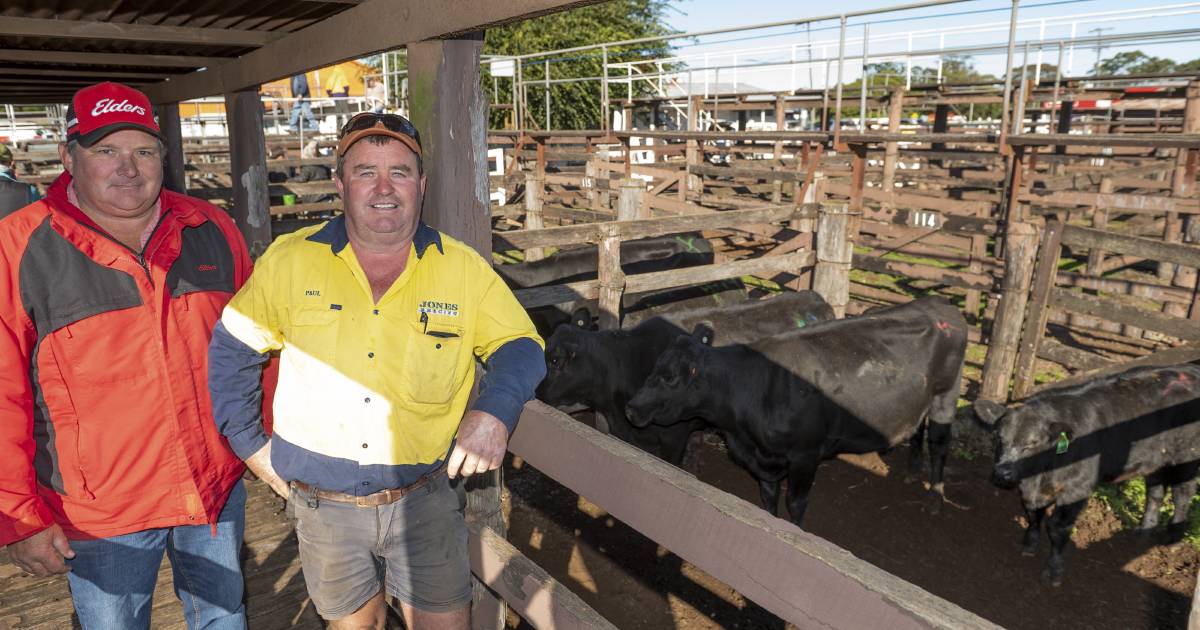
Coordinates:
379	320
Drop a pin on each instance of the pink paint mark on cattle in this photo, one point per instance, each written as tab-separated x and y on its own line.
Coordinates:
1182	380
944	327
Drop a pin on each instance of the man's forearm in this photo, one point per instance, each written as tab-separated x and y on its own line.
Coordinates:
235	385
513	373
260	464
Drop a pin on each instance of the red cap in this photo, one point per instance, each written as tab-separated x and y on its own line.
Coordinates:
98	110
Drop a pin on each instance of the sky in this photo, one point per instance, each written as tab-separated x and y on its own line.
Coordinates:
974	23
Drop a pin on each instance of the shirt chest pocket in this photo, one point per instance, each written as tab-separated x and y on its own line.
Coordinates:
434	366
314	330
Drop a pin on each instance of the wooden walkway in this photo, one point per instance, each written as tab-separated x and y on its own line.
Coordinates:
276	597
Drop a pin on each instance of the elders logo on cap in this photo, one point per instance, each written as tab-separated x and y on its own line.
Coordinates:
98	110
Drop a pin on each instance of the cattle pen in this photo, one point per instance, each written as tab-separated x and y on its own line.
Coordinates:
1061	219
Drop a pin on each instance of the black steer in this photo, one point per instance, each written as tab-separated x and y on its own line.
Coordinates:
785	403
1057	446
603	369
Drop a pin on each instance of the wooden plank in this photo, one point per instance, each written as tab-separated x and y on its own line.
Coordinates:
909	200
644	228
1123	201
1035	317
85	58
532	593
1170	356
752	173
1074	358
949	277
1178	253
1124	314
756	554
761	267
1100	140
132	32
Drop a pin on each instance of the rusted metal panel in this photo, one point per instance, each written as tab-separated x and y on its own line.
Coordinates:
800	577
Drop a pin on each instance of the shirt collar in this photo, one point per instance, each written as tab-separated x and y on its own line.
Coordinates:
334	235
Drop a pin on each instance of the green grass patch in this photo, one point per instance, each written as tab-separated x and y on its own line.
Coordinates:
1128	502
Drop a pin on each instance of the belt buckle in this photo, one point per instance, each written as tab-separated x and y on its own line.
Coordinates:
362	501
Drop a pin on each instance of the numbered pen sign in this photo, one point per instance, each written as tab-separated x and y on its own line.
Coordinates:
928	219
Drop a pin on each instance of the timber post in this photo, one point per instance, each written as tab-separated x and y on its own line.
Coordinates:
1019	251
450	111
835	255
251	208
695	185
610	275
1183	186
892	149
1038	310
174	175
629	200
535	188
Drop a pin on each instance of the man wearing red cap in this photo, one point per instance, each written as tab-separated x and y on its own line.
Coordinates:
108	452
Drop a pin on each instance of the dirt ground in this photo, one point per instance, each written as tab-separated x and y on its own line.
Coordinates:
969	554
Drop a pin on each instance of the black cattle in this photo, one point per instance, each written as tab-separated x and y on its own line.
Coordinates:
1057	446
603	369
785	403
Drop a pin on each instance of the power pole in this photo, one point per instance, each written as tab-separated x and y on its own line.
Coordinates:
1099	47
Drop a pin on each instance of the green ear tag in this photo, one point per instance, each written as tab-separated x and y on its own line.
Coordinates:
1063	443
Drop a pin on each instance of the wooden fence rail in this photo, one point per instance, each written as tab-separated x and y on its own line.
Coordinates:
799	577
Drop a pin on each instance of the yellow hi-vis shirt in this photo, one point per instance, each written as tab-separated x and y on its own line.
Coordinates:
377	384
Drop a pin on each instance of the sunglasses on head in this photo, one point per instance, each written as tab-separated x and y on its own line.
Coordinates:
392	122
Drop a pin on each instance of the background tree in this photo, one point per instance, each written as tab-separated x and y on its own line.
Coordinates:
576	105
1134	62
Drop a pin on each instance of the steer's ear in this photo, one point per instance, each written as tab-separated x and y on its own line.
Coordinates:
703	333
989	412
1058	429
581	318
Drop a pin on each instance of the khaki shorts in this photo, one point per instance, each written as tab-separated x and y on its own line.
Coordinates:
415	548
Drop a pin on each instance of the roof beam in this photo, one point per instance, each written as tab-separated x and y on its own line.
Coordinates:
108	59
371	27
82	29
148	75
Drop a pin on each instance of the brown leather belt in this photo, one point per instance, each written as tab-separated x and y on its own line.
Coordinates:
383	497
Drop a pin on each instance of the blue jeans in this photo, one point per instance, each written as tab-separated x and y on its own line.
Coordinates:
112	579
306	107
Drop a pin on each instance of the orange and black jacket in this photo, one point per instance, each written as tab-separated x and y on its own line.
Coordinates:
105	422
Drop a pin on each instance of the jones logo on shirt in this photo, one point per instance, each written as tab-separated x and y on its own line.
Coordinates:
108	105
438	308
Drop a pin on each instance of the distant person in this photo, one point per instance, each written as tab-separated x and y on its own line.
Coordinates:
338	88
14	194
376	95
301	94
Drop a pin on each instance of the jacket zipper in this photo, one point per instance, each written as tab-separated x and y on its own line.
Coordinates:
139	256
